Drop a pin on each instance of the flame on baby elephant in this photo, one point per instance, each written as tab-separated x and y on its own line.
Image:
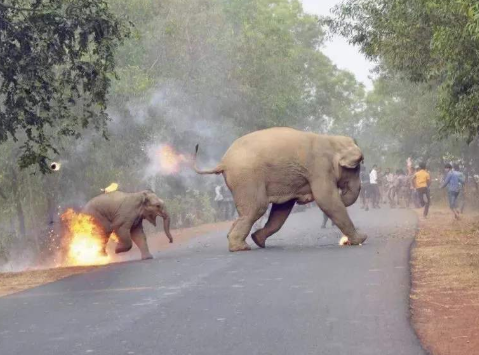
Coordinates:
85	240
111	188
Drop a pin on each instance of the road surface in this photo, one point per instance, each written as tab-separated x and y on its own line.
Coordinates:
303	295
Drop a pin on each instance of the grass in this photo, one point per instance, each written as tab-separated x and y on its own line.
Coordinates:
445	292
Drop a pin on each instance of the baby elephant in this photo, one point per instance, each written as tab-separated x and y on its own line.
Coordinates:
123	214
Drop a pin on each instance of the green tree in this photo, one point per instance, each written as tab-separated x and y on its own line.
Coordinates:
57	64
192	71
433	41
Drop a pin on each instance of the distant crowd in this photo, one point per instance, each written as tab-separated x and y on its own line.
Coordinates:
399	188
411	187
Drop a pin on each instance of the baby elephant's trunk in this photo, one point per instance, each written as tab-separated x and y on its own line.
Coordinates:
166	226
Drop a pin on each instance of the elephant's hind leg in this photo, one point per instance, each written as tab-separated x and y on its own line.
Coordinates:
251	205
124	240
139	238
278	215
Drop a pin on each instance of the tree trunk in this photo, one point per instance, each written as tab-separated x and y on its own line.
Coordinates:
18	203
2	194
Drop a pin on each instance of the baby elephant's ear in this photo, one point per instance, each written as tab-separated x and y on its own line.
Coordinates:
350	157
145	197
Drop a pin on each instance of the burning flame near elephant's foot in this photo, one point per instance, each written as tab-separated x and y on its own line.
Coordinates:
85	242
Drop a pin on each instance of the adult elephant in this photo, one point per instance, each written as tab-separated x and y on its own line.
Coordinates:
123	214
284	166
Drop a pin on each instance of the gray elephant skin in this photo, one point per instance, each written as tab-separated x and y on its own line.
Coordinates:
284	166
123	213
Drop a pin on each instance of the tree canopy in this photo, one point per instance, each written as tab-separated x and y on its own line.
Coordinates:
432	41
190	71
56	68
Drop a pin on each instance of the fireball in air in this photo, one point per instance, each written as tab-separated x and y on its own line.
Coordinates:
111	188
55	166
169	160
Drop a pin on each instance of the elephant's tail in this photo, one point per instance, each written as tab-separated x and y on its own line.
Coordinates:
218	170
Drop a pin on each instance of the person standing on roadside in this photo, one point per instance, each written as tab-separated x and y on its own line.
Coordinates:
373	184
414	193
325	221
453	183
401	187
380	182
229	205
409	190
422	181
219	201
390	180
462	191
365	188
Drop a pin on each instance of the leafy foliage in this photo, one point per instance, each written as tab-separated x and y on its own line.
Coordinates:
434	41
191	71
56	68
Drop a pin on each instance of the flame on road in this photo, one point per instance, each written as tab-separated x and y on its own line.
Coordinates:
85	240
169	160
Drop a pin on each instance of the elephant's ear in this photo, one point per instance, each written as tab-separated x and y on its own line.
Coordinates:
350	157
143	197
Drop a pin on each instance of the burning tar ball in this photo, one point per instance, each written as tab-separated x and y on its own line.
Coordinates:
55	166
111	188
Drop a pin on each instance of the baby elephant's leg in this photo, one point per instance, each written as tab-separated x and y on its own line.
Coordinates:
124	240
139	238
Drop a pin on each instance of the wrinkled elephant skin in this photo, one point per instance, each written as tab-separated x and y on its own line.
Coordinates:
284	166
123	213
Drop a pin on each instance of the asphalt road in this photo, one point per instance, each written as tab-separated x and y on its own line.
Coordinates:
302	295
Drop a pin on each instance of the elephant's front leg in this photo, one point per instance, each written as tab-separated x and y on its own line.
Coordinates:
139	238
329	200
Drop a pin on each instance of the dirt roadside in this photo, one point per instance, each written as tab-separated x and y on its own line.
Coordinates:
445	283
18	281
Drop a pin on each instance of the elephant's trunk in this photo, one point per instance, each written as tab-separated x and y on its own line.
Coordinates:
166	226
350	187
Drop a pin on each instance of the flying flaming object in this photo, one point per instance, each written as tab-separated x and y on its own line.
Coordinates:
111	188
85	245
55	166
169	160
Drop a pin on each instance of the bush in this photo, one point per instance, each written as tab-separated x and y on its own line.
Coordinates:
191	209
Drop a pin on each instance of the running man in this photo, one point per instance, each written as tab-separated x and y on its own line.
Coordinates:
402	188
462	192
422	181
390	187
365	187
374	187
453	183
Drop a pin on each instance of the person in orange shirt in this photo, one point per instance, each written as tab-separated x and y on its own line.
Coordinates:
422	181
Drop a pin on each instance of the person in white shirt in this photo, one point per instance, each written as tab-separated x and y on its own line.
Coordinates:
390	191
373	181
219	198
